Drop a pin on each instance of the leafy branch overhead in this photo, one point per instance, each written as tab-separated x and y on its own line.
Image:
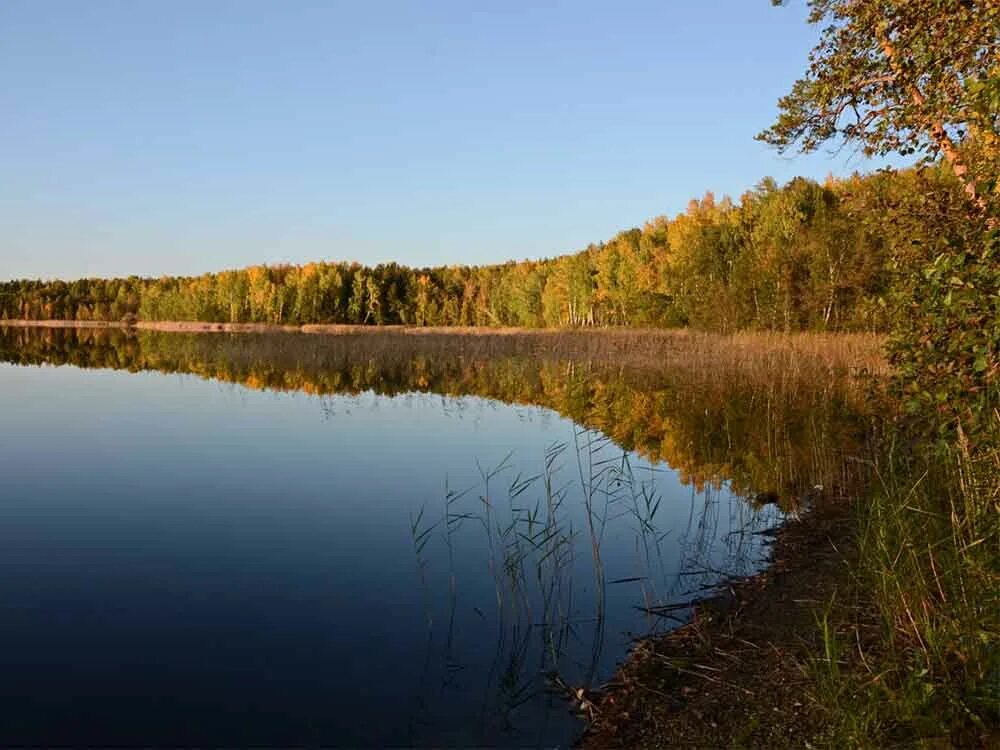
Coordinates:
899	76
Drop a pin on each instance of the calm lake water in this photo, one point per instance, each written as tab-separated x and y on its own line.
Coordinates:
218	539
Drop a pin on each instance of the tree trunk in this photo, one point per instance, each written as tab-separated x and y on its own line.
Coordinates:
937	132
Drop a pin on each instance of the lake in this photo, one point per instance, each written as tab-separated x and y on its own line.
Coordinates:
289	539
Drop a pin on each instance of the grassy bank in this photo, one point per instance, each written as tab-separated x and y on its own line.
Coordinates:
877	625
912	638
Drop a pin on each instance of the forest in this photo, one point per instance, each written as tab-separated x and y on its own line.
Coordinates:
905	648
803	256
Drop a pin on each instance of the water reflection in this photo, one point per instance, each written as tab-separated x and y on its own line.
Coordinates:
772	436
454	591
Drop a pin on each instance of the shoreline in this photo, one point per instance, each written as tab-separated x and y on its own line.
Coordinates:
736	674
861	339
332	329
197	326
850	353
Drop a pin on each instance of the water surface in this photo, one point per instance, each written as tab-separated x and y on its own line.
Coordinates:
234	539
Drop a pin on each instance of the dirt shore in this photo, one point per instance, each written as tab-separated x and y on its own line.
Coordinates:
734	676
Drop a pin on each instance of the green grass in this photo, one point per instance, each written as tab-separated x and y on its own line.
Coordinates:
912	651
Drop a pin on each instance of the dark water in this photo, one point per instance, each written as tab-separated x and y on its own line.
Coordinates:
226	540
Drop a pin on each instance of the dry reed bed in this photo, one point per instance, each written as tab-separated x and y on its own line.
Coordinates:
790	355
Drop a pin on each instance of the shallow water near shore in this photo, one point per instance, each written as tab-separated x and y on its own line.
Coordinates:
236	539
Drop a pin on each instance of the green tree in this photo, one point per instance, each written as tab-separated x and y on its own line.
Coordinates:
921	77
904	76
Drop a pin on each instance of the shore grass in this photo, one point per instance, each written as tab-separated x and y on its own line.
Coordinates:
912	643
768	353
876	626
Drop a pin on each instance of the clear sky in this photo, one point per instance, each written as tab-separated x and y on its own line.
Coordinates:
184	136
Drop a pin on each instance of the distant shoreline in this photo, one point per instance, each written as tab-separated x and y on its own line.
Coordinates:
194	326
627	346
197	326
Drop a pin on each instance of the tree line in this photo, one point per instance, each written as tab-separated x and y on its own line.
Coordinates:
803	256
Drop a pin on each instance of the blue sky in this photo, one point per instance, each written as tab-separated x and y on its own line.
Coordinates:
180	137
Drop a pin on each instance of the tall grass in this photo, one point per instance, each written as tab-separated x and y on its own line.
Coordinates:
761	353
913	659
